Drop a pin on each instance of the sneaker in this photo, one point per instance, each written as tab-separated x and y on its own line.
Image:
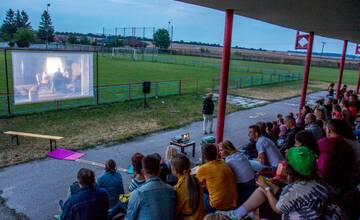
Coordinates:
230	214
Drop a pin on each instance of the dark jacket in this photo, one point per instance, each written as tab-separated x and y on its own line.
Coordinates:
208	106
90	203
290	139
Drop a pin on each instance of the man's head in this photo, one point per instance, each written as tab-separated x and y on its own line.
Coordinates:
309	118
254	132
86	177
110	166
208	152
150	166
289	122
338	127
209	95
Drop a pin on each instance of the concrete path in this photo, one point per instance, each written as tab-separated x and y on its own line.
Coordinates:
35	188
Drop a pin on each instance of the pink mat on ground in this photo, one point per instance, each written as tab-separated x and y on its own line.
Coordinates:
64	154
75	156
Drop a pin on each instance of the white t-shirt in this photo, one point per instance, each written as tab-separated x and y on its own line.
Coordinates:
241	167
265	145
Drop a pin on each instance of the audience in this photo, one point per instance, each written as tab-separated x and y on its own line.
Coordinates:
220	191
90	203
240	165
189	203
320	178
153	200
111	180
268	154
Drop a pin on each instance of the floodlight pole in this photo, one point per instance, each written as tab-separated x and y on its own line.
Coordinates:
341	69
7	84
224	77
97	77
307	69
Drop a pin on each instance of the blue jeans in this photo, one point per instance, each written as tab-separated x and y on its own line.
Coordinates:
207	207
118	207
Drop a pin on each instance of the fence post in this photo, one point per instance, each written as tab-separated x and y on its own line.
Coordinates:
179	87
262	79
240	82
157	89
129	91
251	81
197	87
7	84
97	78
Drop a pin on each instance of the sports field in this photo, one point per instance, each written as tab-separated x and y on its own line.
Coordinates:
121	71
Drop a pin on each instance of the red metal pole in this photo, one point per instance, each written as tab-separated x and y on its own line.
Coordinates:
341	69
224	77
358	83
307	69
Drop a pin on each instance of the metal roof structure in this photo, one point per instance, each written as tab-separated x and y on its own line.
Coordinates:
338	19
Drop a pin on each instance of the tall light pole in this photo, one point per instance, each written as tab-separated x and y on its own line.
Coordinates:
47	31
322	48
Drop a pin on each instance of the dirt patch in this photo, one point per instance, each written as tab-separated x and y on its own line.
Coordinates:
276	92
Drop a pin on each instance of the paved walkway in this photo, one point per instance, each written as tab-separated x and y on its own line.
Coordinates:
35	188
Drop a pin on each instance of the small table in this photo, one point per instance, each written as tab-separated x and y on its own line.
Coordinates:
183	145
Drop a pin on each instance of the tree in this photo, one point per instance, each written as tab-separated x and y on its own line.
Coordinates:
8	28
22	20
72	39
23	37
46	30
84	40
162	38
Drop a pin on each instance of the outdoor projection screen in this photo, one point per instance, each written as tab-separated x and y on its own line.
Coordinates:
47	76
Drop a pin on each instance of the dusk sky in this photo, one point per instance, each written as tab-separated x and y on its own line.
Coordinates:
191	23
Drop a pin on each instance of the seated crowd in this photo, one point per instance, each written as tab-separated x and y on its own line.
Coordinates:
304	167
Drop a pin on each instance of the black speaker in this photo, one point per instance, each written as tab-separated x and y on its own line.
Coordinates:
146	87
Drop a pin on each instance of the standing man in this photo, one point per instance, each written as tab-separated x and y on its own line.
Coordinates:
208	111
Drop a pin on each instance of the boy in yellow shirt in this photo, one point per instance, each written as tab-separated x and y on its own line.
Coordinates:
218	179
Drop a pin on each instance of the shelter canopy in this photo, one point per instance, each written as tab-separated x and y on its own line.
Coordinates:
339	19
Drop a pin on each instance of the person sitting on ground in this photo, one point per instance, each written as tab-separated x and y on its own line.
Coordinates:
336	163
138	178
268	154
342	93
208	111
307	139
310	125
90	203
240	165
303	198
269	131
153	200
275	131
216	177
136	181
292	130
164	169
189	203
111	181
171	153
329	107
282	133
331	90
339	128
353	107
304	111
320	105
336	113
320	118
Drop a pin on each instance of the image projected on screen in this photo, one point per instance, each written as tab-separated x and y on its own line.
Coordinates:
47	76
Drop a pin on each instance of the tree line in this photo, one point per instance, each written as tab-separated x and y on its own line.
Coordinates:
17	30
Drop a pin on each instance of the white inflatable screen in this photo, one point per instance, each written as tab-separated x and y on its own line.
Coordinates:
47	76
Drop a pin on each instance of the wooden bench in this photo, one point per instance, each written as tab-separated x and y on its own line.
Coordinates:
16	134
